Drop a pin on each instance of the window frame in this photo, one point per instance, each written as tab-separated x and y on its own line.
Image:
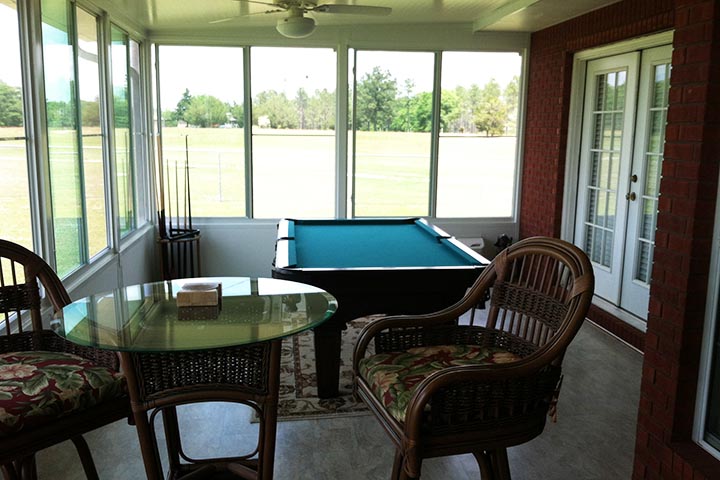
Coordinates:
711	331
344	137
31	58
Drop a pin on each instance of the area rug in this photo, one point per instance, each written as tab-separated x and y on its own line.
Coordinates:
298	387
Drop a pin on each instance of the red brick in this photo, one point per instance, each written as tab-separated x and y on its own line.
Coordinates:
702	12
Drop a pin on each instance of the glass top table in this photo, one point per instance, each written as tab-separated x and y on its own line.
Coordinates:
174	355
146	318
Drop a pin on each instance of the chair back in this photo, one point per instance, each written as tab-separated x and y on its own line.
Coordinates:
21	273
540	290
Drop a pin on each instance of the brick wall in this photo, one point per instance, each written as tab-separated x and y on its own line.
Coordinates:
549	82
664	447
682	253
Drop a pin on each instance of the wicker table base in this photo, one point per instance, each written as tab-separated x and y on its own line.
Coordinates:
159	382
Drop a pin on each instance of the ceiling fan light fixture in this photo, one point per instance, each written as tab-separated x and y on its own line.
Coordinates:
296	26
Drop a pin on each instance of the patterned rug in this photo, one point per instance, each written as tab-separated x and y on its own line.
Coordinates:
298	388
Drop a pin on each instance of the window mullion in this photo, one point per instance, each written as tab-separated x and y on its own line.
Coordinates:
435	135
107	120
35	119
354	131
84	240
341	130
247	132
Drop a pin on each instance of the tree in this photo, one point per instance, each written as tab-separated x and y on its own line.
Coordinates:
206	111
403	117
460	108
417	113
492	113
238	113
321	110
301	103
449	111
511	95
169	118
182	106
61	114
277	108
121	107
376	94
90	113
11	108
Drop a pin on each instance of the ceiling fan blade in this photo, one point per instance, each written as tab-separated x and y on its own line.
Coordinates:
267	4
351	9
222	20
243	15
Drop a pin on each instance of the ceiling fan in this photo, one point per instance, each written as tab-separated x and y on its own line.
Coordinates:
296	24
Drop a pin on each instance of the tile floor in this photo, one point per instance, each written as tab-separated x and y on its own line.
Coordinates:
593	439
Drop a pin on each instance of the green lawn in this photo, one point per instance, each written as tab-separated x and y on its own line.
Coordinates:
294	175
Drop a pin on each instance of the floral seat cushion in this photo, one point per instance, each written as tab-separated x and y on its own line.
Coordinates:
37	387
393	377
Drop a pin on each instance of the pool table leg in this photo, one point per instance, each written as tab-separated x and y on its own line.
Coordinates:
327	358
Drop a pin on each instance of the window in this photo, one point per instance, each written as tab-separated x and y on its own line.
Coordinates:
429	133
707	416
478	130
14	187
77	154
62	136
90	131
293	116
202	129
125	64
393	121
712	422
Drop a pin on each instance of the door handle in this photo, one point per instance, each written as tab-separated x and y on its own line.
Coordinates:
630	196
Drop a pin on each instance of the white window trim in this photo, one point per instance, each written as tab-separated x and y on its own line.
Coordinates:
709	332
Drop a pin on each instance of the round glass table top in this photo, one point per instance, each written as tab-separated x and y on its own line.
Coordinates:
222	312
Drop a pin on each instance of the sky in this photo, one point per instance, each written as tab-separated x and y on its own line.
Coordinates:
9	53
217	71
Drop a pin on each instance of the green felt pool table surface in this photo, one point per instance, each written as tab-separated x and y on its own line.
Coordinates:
374	243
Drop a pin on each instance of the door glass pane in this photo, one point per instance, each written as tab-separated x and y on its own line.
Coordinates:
14	194
712	419
393	102
203	115
478	128
657	118
124	164
91	133
62	138
602	185
293	132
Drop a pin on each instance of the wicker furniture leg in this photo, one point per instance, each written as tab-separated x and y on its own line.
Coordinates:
483	462
261	394
172	437
85	458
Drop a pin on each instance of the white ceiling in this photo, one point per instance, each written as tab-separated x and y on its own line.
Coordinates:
159	16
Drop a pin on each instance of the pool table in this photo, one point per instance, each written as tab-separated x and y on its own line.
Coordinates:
391	266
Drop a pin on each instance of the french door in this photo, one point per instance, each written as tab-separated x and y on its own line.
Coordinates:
622	142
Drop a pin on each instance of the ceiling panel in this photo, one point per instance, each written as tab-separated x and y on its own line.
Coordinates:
157	16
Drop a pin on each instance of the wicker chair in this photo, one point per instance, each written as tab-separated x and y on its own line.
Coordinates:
50	389
441	387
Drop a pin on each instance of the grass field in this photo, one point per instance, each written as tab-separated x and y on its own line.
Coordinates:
293	176
294	173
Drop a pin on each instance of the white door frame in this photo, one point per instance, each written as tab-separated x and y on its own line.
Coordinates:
572	165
